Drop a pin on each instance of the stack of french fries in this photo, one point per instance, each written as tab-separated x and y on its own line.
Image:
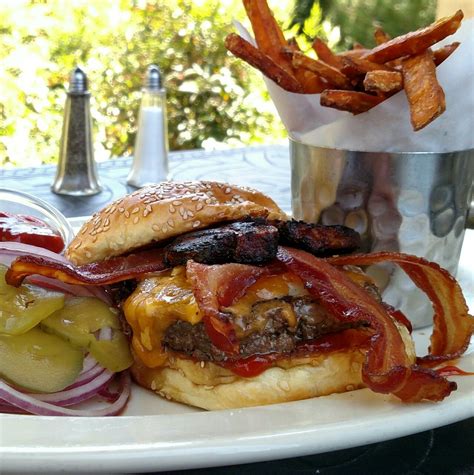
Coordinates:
358	79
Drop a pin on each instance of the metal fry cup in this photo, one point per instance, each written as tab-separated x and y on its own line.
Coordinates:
415	203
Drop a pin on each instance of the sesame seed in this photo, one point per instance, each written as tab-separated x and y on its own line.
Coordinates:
196	223
121	210
172	209
88	254
155	227
136	219
199	207
78	245
202	364
135	210
127	214
170	223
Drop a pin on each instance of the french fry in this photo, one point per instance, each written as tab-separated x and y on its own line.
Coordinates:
350	101
403	62
256	58
353	53
443	53
311	82
383	81
332	75
425	95
355	67
415	42
381	36
325	54
268	34
293	44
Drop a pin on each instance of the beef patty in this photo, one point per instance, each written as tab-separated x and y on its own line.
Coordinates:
265	330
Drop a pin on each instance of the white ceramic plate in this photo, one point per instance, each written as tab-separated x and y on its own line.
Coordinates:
155	434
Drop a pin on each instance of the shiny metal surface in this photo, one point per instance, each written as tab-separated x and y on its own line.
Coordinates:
76	174
413	203
153	78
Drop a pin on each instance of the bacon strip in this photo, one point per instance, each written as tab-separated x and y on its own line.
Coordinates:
107	272
387	368
216	286
452	325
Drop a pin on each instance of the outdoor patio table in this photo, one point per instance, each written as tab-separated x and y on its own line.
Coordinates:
447	450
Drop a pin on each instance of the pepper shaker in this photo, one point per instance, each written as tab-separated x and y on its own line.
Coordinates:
150	161
76	173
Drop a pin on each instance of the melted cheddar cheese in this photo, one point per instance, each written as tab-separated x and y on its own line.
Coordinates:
159	301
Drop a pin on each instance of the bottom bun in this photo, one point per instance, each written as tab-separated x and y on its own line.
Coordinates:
211	387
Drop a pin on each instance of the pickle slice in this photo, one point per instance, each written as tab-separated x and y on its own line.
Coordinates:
80	320
39	362
24	307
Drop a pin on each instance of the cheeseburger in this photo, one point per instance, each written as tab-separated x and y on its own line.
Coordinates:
229	303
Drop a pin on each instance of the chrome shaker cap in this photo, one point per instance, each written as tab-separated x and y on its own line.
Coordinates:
153	79
78	81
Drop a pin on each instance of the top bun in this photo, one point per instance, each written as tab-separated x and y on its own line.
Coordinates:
162	211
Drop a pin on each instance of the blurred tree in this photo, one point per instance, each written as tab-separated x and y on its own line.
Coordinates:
355	18
211	96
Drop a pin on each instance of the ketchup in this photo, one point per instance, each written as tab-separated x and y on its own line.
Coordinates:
29	230
257	364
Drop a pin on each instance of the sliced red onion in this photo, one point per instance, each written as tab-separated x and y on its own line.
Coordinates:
78	394
15	249
87	376
88	363
32	405
105	333
76	290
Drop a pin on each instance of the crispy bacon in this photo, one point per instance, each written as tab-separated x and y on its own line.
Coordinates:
452	326
218	286
107	272
387	368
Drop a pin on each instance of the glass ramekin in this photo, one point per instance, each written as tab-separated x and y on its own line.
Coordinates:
17	202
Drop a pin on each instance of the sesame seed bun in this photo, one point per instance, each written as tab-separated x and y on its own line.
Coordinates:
162	211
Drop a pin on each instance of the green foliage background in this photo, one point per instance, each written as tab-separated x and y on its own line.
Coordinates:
212	97
356	18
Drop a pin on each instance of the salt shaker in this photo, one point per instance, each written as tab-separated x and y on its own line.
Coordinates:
76	173
150	161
